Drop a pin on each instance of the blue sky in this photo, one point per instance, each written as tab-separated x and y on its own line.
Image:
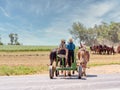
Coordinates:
46	22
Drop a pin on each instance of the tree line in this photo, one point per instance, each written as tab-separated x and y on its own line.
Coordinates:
13	39
99	34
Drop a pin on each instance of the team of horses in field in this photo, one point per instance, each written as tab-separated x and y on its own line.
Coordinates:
102	49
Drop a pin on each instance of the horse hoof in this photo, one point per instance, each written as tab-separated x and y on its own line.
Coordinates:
73	72
69	74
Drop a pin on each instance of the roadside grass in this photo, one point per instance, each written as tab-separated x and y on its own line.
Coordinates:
30	70
21	70
102	64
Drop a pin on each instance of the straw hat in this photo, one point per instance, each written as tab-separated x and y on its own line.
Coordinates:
62	40
70	40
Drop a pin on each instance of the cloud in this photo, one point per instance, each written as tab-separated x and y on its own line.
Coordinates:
58	28
100	9
4	12
93	14
89	16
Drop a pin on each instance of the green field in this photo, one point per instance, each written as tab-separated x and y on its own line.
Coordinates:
14	48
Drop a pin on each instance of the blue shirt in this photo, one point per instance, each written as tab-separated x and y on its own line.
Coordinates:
71	46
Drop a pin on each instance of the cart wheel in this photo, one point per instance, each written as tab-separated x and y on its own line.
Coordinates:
51	72
79	72
56	73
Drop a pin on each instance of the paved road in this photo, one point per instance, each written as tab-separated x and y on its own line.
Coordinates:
42	82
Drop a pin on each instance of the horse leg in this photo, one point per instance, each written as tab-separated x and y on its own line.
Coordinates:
69	73
65	66
51	61
65	73
84	72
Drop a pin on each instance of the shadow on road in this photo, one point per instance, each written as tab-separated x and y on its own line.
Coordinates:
74	77
91	75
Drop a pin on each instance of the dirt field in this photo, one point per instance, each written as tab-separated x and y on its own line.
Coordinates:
24	58
42	58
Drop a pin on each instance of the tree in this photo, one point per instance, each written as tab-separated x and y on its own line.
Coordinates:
108	32
1	42
99	34
11	36
92	36
79	32
16	39
114	32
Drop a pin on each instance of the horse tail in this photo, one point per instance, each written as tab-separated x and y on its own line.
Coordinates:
87	55
78	55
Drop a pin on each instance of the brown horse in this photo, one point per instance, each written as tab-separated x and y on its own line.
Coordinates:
53	56
83	56
118	49
57	54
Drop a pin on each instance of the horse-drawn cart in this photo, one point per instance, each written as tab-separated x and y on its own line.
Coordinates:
55	69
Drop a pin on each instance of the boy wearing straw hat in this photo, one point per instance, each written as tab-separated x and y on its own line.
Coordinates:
71	48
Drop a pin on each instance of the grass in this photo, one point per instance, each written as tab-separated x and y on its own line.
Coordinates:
21	70
29	70
16	48
101	64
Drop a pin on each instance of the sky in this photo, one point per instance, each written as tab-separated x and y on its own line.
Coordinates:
46	22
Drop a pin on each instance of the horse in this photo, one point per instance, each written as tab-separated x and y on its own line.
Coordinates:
83	56
109	50
57	54
118	49
96	49
53	55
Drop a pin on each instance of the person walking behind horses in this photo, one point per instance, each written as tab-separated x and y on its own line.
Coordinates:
62	54
71	48
62	51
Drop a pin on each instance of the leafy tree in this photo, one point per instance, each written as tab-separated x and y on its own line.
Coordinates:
79	32
11	36
91	36
114	32
1	42
97	34
16	38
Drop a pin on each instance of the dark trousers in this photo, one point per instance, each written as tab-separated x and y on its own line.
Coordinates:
70	57
61	63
